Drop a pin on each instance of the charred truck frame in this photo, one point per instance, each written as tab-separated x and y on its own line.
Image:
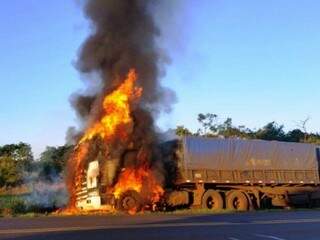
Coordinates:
218	173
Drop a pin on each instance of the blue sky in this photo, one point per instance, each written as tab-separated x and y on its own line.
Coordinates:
255	61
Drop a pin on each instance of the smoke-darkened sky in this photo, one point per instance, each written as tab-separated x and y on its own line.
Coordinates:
255	61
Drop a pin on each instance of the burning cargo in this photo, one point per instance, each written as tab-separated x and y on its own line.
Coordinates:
225	173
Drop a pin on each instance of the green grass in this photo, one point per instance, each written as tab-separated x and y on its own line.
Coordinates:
11	205
7	201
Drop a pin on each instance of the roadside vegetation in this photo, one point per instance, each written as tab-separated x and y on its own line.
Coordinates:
12	205
27	185
211	125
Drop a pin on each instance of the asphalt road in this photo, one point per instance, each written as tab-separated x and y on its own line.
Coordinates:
287	225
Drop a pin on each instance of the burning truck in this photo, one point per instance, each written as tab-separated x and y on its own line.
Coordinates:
122	162
216	174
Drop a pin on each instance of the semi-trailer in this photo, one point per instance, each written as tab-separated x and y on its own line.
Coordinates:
216	173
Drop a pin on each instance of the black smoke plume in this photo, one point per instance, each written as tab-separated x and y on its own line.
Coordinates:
123	37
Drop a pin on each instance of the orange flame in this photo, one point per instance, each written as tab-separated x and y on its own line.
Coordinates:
116	113
115	122
141	180
117	110
76	162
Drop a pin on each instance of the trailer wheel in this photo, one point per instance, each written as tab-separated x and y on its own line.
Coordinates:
212	200
130	201
237	200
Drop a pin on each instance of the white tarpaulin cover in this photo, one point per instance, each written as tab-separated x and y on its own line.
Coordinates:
237	154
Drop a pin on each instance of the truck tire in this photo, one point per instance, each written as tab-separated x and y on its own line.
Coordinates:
130	201
212	200
237	200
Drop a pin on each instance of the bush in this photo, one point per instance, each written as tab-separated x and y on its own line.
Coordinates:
6	212
18	207
12	205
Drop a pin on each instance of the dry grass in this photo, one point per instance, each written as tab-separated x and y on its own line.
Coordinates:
19	190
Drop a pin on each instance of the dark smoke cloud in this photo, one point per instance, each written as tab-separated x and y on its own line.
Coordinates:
123	36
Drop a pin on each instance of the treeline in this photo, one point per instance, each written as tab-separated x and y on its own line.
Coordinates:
212	126
15	161
17	164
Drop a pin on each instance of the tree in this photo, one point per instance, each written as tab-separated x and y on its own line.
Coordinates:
9	173
208	122
15	159
296	135
53	161
21	153
303	125
271	131
227	130
182	131
313	138
211	127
